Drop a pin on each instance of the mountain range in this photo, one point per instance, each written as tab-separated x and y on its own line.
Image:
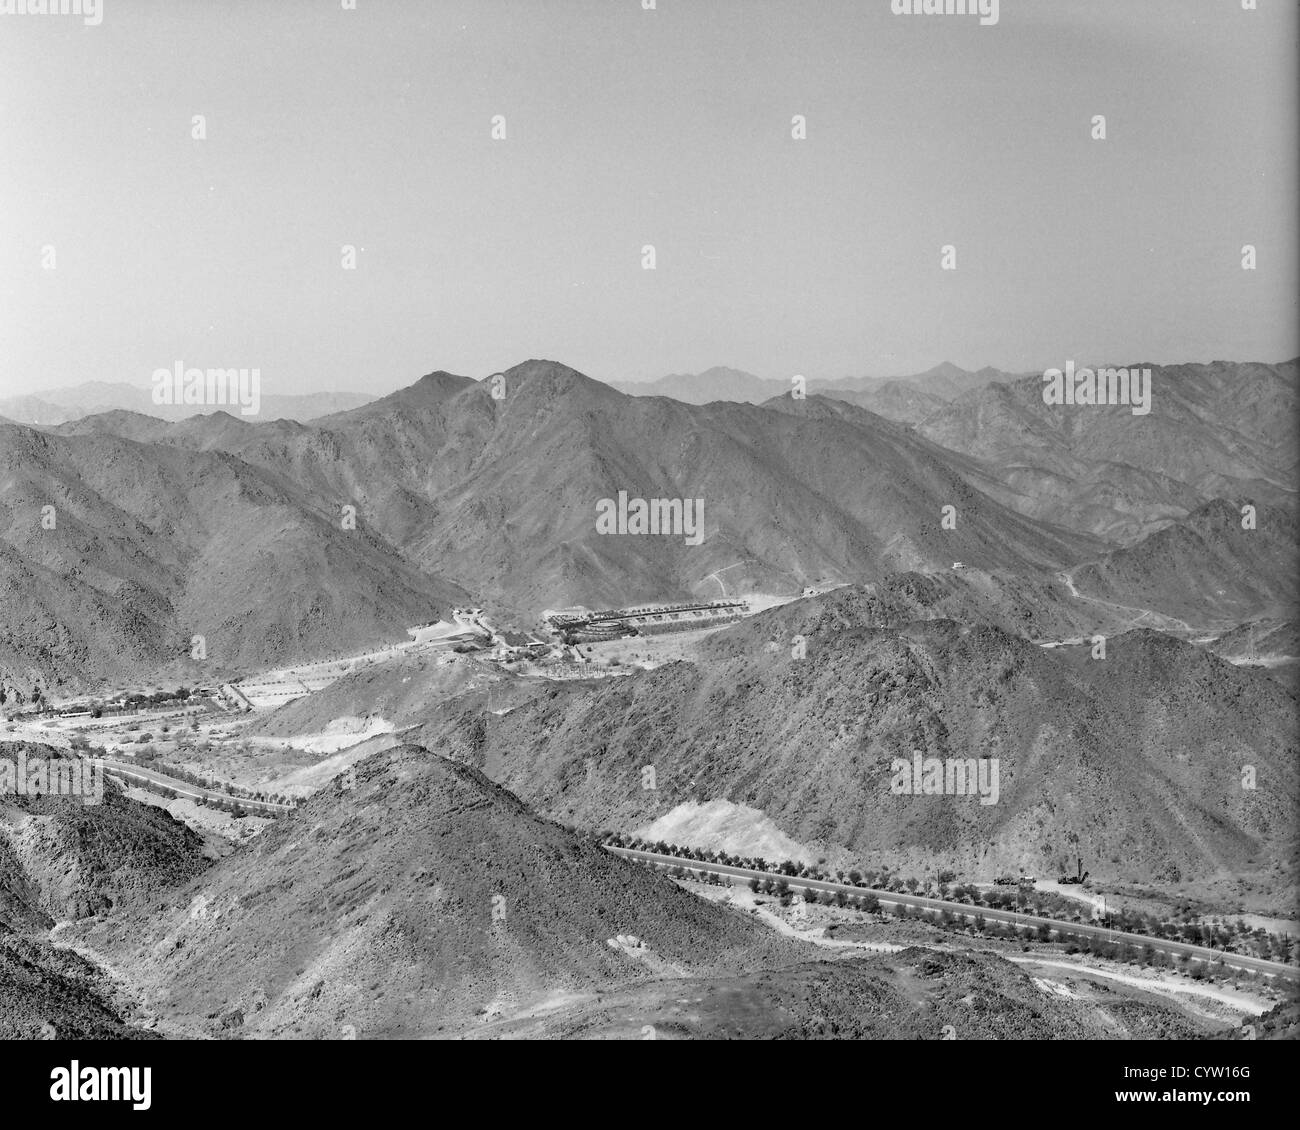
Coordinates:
122	560
1221	430
1132	760
60	405
191	528
282	541
908	398
420	900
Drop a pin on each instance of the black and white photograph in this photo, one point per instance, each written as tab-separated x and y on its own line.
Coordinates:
649	520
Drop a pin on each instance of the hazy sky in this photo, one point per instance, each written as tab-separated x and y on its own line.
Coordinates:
627	127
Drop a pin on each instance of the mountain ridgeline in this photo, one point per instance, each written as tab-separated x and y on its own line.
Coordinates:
1134	761
124	537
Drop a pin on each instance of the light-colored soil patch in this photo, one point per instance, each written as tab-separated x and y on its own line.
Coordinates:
1069	891
1171	985
1259	922
1215	1002
1055	988
720	825
807	926
340	734
307	779
647	652
206	821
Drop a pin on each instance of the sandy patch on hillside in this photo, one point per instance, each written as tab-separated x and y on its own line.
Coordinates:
1179	988
788	922
1051	988
340	734
304	781
1070	891
204	820
1258	922
720	825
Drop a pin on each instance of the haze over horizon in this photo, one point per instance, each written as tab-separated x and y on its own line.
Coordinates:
373	128
1084	359
480	636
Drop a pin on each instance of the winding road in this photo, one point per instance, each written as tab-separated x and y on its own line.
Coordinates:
1067	578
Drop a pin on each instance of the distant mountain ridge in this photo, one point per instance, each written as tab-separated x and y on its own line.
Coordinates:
906	398
716	383
502	492
59	406
1221	564
1217	430
220	527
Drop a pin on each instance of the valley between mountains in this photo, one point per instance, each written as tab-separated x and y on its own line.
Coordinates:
396	742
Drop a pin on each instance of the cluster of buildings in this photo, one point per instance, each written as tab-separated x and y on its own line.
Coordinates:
581	625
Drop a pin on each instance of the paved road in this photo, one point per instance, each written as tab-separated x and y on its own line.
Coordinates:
893	898
184	788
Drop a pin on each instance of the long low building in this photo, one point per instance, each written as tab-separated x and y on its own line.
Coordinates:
646	619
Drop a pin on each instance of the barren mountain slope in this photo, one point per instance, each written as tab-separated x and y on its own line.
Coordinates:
149	545
1134	761
54	994
895	400
423	901
501	494
401	691
61	858
917	994
1260	639
1222	430
1206	568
